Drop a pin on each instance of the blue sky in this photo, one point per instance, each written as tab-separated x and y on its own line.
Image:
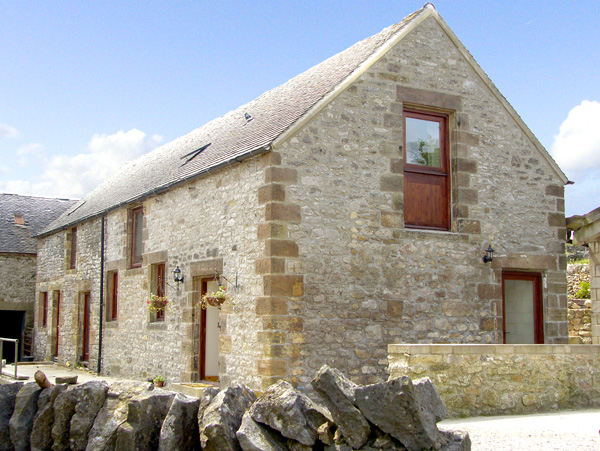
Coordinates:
86	86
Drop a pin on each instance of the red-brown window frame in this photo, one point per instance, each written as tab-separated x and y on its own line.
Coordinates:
538	307
73	262
44	295
423	171
134	231
114	296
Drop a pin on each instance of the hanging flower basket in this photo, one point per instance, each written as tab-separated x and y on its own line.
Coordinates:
157	303
216	299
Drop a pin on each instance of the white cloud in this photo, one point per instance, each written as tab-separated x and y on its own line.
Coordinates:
576	148
29	149
73	176
8	131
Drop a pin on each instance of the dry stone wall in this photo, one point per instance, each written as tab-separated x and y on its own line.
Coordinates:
580	310
504	379
368	281
402	415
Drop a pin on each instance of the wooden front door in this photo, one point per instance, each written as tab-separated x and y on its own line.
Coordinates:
207	324
57	332
85	342
522	307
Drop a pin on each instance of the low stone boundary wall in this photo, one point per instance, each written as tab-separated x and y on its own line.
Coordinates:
504	379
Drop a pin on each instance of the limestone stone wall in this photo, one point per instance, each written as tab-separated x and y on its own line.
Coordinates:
580	310
207	224
504	379
367	280
17	289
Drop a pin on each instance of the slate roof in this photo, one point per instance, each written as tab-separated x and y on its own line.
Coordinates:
231	137
37	213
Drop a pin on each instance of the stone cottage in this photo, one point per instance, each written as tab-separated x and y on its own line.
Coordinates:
21	218
345	210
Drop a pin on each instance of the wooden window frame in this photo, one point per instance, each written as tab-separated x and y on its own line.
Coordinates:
73	253
134	231
441	174
44	308
113	295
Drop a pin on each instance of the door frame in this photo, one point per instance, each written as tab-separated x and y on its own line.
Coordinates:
56	298
538	309
85	332
200	286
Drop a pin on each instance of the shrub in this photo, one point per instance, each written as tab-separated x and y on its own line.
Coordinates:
584	291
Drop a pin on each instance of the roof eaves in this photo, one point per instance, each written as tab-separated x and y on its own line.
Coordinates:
500	97
157	190
412	22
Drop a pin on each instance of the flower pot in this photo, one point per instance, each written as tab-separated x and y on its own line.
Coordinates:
159	383
214	301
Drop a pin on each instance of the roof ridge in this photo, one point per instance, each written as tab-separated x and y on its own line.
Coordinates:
232	136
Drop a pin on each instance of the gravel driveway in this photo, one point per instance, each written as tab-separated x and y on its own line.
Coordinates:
564	431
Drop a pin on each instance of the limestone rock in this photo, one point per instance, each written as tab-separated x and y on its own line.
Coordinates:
103	435
338	394
21	421
41	433
64	408
71	380
207	396
180	428
42	380
396	408
90	398
456	441
429	399
290	412
145	415
223	417
8	395
74	412
254	436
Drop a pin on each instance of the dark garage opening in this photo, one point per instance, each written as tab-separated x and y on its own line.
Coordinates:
12	323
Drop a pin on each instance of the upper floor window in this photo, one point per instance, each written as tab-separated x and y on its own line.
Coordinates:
426	175
137	217
73	253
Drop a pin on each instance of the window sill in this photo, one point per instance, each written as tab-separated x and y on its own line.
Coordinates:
157	325
413	233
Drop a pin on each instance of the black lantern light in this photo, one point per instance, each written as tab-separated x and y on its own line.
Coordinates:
489	254
177	276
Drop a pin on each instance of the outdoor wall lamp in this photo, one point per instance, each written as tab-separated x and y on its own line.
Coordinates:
177	276
489	254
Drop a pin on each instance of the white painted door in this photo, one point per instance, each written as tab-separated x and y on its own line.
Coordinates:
211	363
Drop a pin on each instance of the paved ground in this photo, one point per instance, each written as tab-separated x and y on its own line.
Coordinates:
564	431
51	370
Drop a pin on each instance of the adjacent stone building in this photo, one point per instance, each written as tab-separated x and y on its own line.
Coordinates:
586	231
21	218
345	210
